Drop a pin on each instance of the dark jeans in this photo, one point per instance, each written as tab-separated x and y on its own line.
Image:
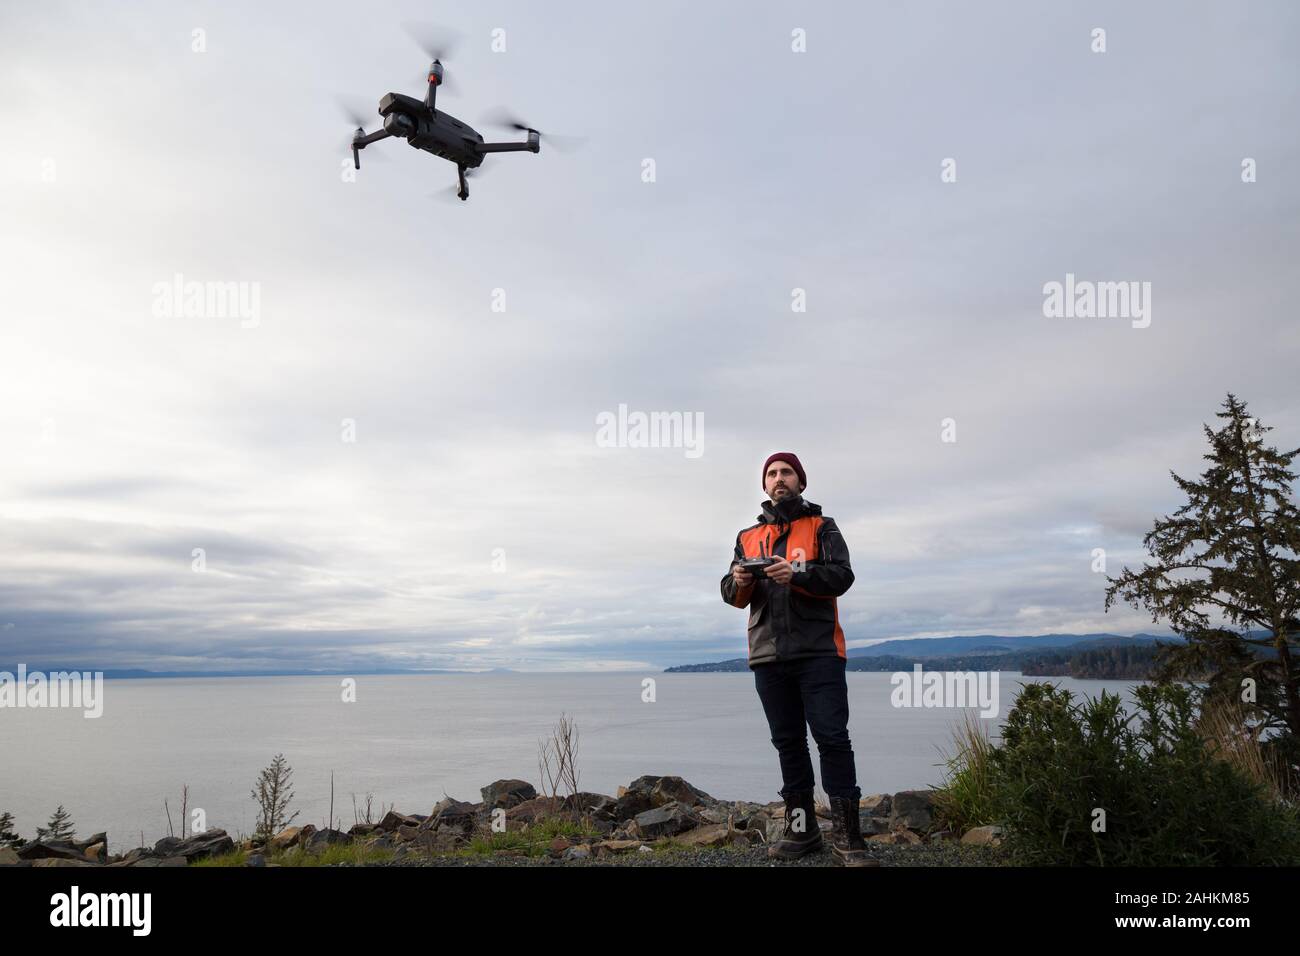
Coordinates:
811	691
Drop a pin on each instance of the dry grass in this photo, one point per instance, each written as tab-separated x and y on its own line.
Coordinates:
962	802
1228	735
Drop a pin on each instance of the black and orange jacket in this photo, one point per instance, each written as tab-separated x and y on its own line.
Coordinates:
800	619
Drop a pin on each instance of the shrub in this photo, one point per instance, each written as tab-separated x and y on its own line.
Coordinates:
1076	785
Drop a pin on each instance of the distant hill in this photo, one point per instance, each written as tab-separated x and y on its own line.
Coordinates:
1084	656
137	673
923	647
979	652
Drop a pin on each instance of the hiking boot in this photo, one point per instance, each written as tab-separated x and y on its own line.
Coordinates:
802	835
847	846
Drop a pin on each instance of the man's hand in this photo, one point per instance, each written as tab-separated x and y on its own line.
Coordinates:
781	571
742	577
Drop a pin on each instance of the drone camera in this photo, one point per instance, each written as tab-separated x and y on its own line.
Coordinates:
399	124
401	103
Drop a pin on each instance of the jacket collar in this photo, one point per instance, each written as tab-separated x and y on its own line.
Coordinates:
787	510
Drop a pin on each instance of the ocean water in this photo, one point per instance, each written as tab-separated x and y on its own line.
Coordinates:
410	740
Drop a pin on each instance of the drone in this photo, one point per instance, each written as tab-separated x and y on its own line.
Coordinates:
436	131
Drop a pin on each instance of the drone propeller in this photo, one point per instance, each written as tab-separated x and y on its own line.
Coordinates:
437	42
377	155
350	107
565	144
353	111
453	191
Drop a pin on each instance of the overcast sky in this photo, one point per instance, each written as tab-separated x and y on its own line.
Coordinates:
475	521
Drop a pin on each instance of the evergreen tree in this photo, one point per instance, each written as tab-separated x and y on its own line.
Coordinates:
1232	551
61	826
273	794
8	835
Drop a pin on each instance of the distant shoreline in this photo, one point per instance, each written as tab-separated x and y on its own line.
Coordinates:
964	652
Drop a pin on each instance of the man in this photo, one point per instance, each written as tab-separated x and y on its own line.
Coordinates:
796	651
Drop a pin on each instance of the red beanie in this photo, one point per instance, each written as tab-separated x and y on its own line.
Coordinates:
787	456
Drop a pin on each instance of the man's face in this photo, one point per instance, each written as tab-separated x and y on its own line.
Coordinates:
781	481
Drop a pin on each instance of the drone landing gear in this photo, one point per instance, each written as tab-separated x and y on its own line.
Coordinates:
463	192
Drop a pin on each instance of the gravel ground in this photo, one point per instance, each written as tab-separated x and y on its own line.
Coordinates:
948	853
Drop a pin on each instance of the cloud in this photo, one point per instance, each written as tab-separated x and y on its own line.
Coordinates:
386	471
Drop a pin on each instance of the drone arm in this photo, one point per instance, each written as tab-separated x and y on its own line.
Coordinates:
506	147
533	145
361	142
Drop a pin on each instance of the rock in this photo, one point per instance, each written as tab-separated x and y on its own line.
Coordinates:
452	813
750	816
255	859
983	836
912	810
667	820
719	814
322	838
435	840
50	850
668	789
897	837
363	829
940	836
717	834
507	793
747	837
624	832
8	856
536	809
416	838
446	840
576	853
133	855
876	805
84	845
675	789
214	842
630	803
96	853
873	825
597	804
559	845
392	820
644	849
286	838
